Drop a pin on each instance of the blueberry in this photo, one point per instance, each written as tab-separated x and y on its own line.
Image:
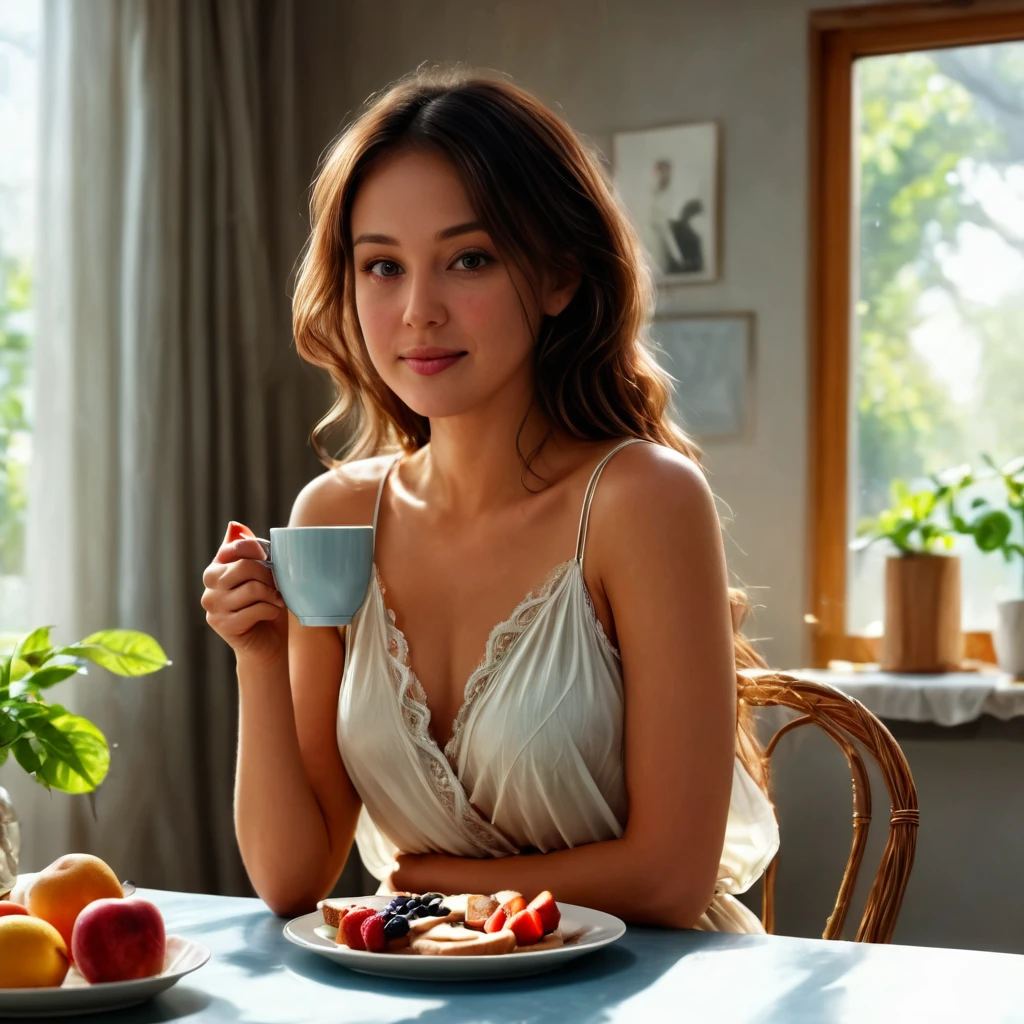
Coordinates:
401	900
396	928
412	904
422	912
441	910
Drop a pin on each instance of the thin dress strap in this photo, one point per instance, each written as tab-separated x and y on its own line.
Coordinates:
380	492
588	497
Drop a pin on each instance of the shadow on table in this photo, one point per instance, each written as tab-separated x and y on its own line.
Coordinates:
593	989
580	992
177	1003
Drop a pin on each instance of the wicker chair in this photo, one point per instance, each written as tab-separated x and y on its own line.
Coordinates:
850	724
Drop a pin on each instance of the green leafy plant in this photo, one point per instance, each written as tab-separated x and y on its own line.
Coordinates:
58	749
912	523
991	527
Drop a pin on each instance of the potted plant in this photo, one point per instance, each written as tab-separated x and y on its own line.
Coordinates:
992	530
922	631
58	749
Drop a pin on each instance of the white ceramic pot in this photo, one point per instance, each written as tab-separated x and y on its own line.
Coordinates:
1008	638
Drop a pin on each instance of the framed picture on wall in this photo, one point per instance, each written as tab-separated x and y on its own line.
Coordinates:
669	180
711	360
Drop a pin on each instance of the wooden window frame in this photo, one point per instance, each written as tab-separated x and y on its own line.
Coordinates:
837	39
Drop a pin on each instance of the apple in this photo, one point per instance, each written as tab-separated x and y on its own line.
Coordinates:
119	940
8	908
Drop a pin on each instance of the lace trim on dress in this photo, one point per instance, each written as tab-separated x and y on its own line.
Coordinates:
416	717
500	641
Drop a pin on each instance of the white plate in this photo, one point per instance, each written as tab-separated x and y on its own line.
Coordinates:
594	929
76	995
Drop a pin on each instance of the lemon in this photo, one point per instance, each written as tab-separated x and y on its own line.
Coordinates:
32	953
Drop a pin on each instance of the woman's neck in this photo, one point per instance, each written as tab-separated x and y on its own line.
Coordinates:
473	461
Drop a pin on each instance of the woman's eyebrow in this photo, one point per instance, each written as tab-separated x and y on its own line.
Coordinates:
441	236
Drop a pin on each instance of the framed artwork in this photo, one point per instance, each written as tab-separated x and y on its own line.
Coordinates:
711	360
669	180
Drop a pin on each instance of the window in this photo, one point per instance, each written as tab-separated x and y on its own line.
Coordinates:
19	35
918	286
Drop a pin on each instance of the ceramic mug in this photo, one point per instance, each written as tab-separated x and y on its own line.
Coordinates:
322	572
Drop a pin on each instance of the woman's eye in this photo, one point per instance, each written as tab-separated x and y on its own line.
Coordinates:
477	260
384	268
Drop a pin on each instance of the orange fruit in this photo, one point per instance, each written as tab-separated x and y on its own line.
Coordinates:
60	892
32	953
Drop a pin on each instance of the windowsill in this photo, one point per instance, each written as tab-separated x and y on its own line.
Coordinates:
949	699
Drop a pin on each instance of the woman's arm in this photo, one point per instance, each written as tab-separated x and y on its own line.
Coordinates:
295	806
655	543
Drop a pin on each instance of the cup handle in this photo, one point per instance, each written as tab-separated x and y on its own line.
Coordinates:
265	544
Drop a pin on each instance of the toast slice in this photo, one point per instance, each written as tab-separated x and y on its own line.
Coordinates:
457	940
479	909
334	911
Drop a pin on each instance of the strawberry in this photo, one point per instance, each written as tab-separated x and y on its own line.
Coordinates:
527	927
351	925
546	906
496	921
372	933
514	906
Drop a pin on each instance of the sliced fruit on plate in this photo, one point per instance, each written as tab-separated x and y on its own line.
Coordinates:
351	927
527	927
546	906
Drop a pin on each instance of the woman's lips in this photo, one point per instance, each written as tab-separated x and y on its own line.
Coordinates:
428	367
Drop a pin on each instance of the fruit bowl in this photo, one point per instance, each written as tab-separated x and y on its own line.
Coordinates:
76	995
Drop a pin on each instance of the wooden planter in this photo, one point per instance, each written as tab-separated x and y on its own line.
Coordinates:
922	614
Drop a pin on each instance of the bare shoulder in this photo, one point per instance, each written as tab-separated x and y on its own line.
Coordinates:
653	489
344	496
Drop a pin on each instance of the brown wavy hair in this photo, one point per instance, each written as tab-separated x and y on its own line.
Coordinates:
546	201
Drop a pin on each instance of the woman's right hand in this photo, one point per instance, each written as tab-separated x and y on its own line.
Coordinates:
242	604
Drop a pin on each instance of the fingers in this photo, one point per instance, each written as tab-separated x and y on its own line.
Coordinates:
243	547
251	592
234	574
236	531
234	624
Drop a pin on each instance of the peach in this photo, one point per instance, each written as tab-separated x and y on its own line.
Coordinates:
8	909
119	940
32	953
60	892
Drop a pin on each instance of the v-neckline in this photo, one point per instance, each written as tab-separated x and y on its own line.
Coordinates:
499	640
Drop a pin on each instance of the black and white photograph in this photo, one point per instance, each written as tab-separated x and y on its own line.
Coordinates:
711	359
668	180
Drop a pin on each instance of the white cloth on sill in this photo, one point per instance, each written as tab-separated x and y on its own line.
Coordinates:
948	699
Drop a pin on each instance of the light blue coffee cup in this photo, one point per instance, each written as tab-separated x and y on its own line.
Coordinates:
322	572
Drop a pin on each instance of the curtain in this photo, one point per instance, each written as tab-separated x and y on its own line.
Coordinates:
169	398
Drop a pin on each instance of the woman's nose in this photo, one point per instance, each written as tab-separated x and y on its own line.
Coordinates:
424	306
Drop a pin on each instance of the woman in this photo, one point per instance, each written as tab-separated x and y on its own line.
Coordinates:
480	301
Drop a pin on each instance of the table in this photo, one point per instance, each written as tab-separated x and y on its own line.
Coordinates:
256	976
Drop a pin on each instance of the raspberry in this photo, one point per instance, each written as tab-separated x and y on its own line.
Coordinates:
372	932
351	925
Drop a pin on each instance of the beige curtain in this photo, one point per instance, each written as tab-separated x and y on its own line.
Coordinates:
169	398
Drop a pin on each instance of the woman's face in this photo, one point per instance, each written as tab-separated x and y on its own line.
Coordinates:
439	309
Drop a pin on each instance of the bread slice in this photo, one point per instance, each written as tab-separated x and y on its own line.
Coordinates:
550	941
507	894
479	909
422	925
478	944
334	911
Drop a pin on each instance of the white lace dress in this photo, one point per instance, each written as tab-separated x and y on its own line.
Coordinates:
536	755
